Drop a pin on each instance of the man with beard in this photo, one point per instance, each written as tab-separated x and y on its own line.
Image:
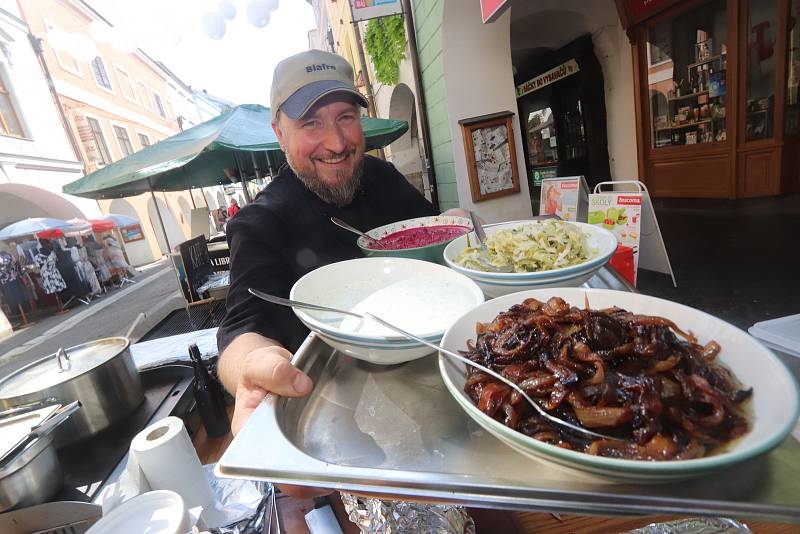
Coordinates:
286	231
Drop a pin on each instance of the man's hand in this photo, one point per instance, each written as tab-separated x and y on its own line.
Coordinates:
263	370
252	366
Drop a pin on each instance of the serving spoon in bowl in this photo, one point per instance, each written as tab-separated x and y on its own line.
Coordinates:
341	224
483	255
536	406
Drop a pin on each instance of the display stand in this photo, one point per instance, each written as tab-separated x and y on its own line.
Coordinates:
652	253
566	196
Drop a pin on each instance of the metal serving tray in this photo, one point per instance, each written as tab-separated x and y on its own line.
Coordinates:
395	430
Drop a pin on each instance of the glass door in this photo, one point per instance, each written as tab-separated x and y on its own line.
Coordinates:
761	59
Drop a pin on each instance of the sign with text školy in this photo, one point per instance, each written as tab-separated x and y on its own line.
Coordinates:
629	215
567	197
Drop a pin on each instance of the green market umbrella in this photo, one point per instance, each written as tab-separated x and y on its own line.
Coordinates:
241	140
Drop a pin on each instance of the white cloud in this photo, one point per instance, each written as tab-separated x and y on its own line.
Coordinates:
238	67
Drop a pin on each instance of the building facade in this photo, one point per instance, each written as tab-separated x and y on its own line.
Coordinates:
472	70
36	156
115	104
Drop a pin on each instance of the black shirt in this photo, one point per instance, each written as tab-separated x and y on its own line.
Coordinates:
286	232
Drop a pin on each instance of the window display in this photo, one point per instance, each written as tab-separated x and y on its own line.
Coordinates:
793	69
542	140
760	104
686	76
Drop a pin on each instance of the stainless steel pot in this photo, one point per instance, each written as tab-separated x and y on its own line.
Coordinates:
29	469
100	374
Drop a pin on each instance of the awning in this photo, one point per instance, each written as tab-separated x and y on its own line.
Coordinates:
237	140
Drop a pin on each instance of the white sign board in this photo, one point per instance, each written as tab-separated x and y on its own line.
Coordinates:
566	197
372	9
632	219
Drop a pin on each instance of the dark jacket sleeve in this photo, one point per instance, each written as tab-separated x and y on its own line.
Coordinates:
256	248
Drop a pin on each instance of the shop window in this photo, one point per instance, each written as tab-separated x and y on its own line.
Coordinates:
686	77
761	60
542	140
123	140
100	73
10	123
103	156
793	69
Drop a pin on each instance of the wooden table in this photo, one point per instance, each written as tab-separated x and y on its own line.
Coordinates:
292	511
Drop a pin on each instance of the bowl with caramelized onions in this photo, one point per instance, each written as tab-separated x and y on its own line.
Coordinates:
680	393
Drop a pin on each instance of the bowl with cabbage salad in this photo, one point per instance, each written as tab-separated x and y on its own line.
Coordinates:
531	254
529	248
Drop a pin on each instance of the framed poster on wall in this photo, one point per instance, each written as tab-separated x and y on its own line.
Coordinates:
491	155
132	233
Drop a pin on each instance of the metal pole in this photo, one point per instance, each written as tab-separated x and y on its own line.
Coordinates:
365	71
158	212
422	113
191	197
242	179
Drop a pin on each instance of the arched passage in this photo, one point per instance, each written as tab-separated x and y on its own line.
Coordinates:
171	225
139	252
405	152
20	201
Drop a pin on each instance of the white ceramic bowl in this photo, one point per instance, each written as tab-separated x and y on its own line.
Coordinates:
418	296
774	404
602	245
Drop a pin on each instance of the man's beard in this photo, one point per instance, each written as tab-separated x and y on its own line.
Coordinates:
347	185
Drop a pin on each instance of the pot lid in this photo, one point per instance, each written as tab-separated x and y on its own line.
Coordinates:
16	427
46	372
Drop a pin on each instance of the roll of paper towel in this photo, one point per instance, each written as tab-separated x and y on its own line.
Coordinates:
167	457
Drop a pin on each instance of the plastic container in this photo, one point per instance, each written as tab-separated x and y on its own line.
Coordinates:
781	334
154	512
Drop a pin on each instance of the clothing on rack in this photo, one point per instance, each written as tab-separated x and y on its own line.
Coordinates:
52	281
76	288
95	252
86	269
14	291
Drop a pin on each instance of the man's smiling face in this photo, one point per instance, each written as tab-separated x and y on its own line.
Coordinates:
325	148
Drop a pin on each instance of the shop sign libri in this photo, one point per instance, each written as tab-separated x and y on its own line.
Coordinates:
568	68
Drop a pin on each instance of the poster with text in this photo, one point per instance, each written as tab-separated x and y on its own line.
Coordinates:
621	213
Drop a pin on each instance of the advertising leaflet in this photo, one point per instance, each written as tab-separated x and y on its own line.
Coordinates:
566	197
621	213
631	217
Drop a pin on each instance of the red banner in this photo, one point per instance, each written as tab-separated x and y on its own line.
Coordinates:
492	9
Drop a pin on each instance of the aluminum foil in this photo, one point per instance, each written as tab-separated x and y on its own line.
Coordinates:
695	525
377	516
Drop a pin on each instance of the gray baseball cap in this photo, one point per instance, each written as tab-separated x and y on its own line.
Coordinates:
302	79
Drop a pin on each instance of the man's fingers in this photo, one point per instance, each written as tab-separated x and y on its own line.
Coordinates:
270	370
247	400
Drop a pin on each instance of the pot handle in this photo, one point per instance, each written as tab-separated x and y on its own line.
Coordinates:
61	353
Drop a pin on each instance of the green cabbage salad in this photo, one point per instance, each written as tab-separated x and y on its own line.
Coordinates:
540	246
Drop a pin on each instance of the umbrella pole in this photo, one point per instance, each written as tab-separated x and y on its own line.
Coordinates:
158	212
191	197
242	180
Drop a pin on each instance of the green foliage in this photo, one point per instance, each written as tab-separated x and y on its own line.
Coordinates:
386	44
